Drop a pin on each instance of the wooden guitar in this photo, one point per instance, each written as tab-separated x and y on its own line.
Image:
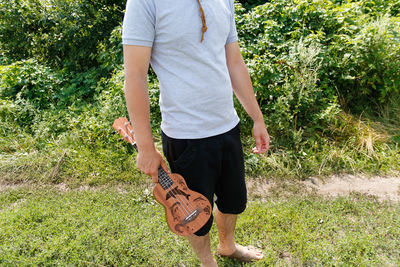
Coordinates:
186	210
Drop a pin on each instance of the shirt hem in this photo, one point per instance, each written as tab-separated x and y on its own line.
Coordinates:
231	40
126	41
179	135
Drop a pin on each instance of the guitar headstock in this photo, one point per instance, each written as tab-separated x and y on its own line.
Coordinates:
124	128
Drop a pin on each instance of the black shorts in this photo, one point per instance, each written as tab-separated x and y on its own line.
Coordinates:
212	165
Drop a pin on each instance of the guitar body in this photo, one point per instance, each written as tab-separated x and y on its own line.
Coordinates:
186	210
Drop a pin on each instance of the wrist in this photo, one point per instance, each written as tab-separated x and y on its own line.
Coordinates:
146	146
259	121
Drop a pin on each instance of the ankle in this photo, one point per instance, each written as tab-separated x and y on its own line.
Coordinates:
226	248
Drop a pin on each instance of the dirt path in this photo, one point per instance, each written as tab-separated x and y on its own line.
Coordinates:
381	187
384	188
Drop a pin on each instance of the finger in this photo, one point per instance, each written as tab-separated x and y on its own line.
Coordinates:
267	142
165	167
256	151
264	145
258	142
154	175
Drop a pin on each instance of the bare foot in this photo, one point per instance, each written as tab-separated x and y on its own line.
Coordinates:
242	253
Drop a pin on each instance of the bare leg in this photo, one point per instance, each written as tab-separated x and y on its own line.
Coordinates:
226	230
201	246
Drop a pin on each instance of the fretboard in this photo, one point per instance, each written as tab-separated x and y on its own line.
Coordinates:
163	178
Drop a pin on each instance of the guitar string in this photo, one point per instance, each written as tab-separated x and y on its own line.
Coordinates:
173	190
174	193
162	180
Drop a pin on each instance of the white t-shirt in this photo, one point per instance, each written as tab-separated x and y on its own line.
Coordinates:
196	96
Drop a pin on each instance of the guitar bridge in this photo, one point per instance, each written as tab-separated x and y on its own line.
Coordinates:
192	216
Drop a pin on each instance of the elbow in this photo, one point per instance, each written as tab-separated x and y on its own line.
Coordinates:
134	81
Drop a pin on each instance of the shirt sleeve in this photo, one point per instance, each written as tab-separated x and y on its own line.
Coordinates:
138	27
233	36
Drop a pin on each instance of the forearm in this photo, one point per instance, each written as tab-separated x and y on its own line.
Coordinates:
243	89
136	65
137	101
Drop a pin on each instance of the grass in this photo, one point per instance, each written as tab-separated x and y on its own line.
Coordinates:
77	162
41	225
109	218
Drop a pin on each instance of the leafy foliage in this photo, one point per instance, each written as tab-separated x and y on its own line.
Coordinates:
307	57
63	33
370	69
309	62
30	81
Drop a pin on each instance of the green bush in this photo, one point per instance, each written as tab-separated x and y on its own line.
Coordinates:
110	51
370	70
63	33
79	88
248	4
44	87
16	115
357	60
30	81
285	57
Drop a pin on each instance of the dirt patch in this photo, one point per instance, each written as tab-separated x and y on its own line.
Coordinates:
7	187
64	188
384	188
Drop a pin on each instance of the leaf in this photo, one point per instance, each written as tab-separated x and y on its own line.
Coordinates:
396	139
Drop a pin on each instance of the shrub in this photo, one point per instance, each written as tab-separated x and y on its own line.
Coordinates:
63	33
251	3
30	81
15	115
110	51
358	62
370	70
79	88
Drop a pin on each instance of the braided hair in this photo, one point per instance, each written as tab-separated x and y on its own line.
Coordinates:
203	20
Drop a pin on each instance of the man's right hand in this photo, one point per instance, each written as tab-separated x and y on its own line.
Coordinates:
148	161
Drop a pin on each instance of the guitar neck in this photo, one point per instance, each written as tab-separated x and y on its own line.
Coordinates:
164	179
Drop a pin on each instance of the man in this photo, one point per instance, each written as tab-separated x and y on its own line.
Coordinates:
192	47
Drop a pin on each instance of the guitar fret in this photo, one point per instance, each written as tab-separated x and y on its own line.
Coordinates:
177	191
164	180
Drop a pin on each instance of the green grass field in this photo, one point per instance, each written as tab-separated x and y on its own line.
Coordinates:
122	226
326	77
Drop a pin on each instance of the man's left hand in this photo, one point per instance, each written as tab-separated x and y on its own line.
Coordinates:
261	136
